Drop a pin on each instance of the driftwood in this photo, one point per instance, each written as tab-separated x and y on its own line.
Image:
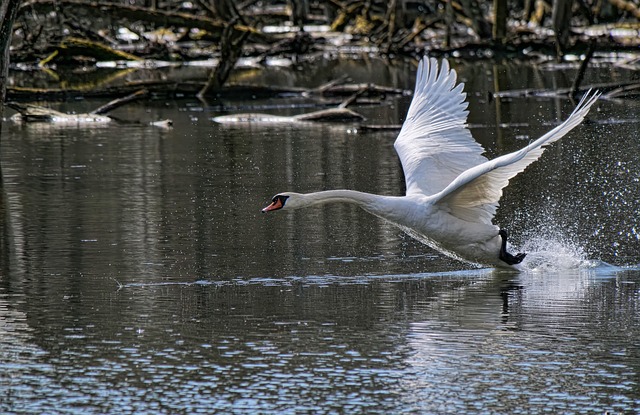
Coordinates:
37	113
331	115
116	103
369	89
326	86
623	91
381	127
327	115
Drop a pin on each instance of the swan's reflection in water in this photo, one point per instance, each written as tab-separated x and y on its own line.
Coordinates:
553	341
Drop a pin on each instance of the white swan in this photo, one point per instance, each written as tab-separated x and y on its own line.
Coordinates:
452	189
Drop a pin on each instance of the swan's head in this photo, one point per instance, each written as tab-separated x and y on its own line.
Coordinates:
284	201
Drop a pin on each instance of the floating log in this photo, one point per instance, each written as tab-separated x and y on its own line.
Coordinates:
327	115
381	127
37	113
331	115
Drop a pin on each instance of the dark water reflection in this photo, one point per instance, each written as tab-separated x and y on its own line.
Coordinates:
138	275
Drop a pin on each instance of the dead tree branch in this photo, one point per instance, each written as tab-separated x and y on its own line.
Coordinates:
135	13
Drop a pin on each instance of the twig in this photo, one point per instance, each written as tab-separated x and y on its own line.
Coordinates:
633	89
111	105
328	85
120	285
350	100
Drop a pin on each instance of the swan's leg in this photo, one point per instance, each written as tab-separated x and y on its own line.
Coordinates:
504	255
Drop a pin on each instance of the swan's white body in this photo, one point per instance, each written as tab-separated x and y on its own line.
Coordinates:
452	189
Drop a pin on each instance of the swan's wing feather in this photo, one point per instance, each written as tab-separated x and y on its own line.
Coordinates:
474	195
434	144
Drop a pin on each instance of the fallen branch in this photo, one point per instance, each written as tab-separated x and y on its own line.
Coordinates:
350	100
376	128
111	105
627	6
135	14
371	89
73	46
328	85
190	89
331	115
37	113
326	115
564	92
623	91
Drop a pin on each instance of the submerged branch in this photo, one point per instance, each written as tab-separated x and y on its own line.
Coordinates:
610	89
190	89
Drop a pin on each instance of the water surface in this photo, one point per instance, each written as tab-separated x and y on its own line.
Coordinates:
139	276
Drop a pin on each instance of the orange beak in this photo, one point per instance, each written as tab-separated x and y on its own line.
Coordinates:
275	205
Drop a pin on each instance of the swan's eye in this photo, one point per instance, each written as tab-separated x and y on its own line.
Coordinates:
281	198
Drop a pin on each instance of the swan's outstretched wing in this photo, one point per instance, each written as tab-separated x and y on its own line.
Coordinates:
434	144
474	195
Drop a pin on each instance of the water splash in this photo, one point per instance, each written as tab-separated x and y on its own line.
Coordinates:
552	253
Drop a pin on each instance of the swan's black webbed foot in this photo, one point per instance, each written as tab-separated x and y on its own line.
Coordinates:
504	255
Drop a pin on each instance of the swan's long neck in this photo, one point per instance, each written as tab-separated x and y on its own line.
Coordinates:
361	199
383	206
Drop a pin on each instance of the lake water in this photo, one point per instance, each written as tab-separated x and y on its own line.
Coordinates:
138	275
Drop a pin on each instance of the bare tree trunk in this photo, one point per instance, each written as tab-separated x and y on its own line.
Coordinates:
500	23
561	16
230	52
479	24
8	11
299	12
